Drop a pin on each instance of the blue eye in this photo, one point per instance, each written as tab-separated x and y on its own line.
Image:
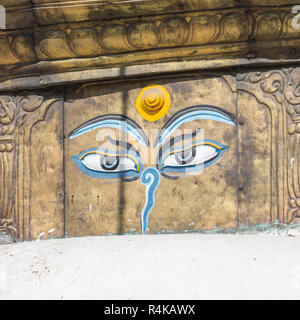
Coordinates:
105	164
191	159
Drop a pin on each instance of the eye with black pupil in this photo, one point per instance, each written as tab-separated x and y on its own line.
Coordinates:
109	163
185	157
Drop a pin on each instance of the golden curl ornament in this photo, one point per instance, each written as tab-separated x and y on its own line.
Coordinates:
153	102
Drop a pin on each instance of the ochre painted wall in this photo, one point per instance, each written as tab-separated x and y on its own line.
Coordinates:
88	90
66	168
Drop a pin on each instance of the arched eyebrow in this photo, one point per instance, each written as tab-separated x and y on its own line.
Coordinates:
202	112
115	121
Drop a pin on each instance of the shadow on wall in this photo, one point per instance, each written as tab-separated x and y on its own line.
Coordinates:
122	200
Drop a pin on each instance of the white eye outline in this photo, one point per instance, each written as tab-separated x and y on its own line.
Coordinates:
213	150
89	162
93	161
208	154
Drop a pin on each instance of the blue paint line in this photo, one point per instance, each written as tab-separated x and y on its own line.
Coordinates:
151	179
115	124
192	116
118	153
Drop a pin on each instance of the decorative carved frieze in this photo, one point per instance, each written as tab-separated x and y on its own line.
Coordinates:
279	90
7	225
292	95
203	28
23	14
18	115
207	34
13	111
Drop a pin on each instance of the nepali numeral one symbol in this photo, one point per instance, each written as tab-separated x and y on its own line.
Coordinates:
296	19
2	17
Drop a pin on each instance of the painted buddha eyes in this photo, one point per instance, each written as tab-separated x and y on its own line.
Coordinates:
193	158
171	161
175	156
107	164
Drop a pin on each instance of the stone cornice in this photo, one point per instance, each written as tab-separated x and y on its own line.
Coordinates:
166	31
23	14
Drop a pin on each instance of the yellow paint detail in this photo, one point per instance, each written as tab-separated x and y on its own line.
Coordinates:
112	155
153	102
188	148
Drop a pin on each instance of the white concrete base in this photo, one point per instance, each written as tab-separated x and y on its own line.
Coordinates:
190	266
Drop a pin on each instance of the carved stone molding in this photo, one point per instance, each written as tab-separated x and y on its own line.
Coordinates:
292	95
7	225
279	91
202	28
18	115
23	14
235	32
